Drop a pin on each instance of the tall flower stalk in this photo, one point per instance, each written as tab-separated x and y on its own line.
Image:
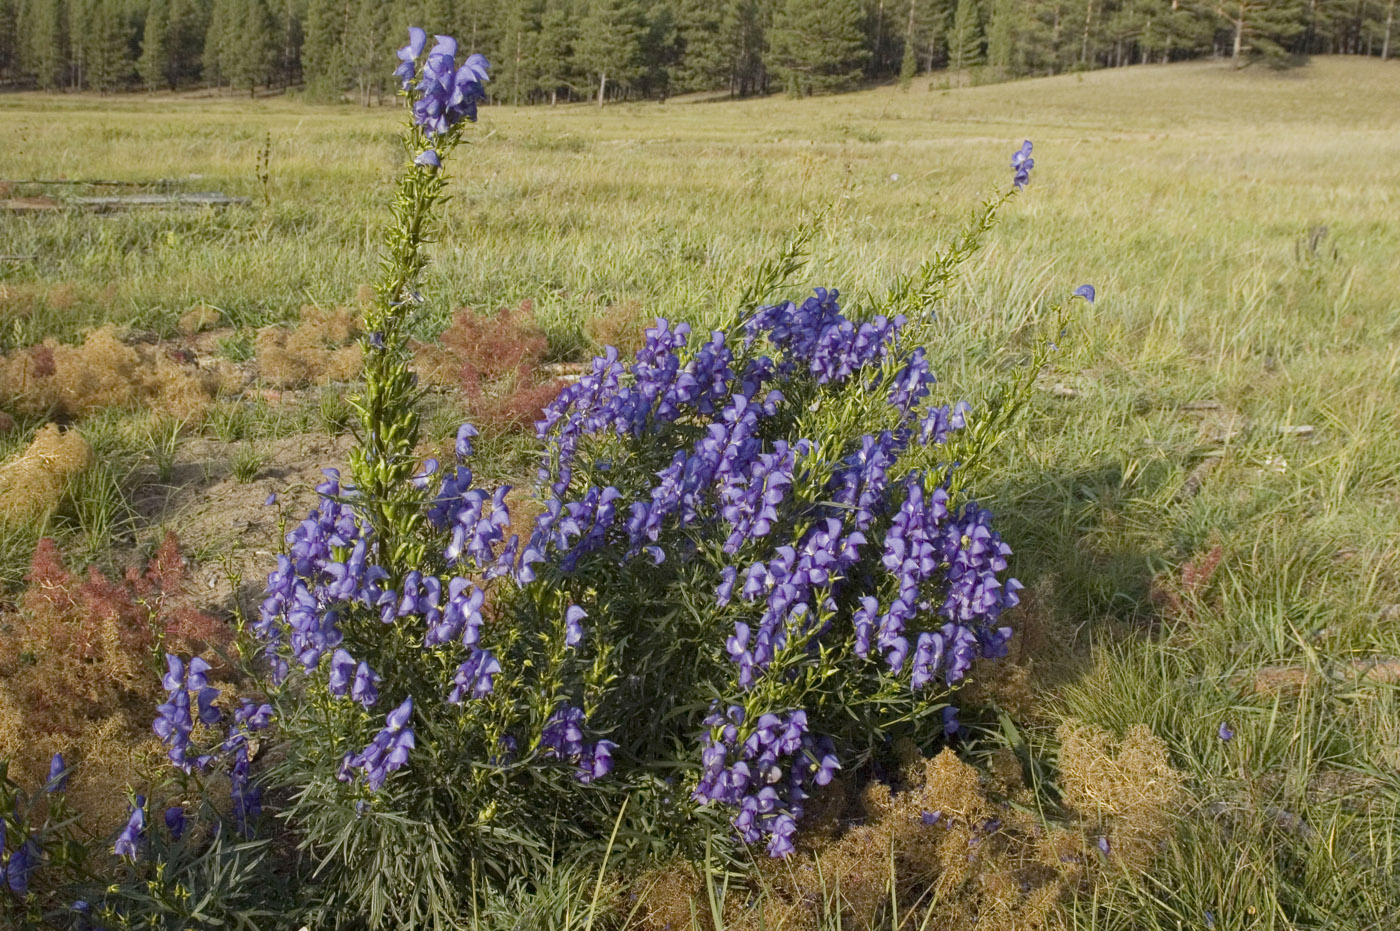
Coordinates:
441	97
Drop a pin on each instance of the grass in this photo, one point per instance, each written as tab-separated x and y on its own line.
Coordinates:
1240	228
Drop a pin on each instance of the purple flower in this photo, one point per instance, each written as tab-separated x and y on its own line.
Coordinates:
725	592
175	821
573	625
408	56
930	818
1085	291
1104	848
475	677
363	688
464	440
23	862
951	726
1021	164
58	774
342	669
130	836
447	94
386	752
1226	732
428	158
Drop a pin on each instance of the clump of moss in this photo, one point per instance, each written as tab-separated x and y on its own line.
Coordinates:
32	483
321	349
52	379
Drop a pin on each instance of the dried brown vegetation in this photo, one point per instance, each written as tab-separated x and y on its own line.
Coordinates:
1178	596
321	349
32	483
964	847
498	366
79	672
51	379
620	325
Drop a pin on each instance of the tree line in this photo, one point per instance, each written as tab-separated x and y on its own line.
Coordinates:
551	50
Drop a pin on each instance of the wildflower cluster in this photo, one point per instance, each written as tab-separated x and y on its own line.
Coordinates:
446	94
175	725
758	520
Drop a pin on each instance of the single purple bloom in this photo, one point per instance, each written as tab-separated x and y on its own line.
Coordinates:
396	719
135	828
930	818
175	821
342	669
363	688
1021	164
1104	847
464	440
428	159
23	862
950	722
1085	291
408	55
58	774
573	625
1226	732
271	500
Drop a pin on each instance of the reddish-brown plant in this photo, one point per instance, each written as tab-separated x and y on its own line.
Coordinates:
79	670
491	348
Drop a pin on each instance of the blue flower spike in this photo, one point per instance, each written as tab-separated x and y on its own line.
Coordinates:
1021	165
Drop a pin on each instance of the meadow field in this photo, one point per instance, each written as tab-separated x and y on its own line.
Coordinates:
1203	496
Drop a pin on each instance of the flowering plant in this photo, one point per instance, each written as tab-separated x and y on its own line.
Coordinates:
748	563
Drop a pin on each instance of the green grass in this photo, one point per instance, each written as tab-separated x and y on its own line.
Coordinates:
1193	196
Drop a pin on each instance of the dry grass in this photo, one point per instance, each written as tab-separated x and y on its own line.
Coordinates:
53	379
967	849
33	482
321	349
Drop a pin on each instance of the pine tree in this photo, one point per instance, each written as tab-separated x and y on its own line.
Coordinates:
323	56
746	27
188	21
368	48
515	71
1262	28
908	65
109	48
41	49
1388	29
154	64
965	41
554	49
287	18
609	43
817	46
660	50
1001	35
251	48
9	35
705	60
217	55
